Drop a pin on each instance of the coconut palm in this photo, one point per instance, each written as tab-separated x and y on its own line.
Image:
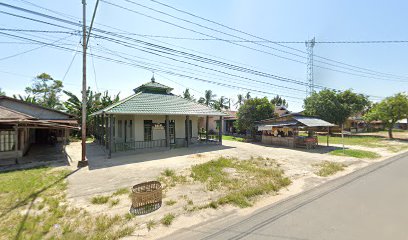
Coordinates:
248	96
208	98
221	103
240	100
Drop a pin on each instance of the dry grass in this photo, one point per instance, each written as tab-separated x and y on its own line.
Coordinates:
167	219
328	168
240	180
33	206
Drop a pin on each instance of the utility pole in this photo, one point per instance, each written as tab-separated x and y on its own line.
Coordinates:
83	161
309	77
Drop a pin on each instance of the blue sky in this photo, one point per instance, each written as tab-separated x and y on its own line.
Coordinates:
273	20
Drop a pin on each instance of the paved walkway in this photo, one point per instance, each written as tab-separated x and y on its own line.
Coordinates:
371	203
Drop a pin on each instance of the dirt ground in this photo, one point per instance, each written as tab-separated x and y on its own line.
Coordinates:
105	176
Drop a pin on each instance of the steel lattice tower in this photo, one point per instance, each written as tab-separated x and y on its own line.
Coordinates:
309	77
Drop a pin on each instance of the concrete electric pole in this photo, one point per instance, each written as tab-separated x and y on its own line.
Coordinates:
83	161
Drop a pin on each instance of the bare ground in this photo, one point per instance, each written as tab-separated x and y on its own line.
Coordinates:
105	176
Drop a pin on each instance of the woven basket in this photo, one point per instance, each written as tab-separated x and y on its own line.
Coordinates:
146	197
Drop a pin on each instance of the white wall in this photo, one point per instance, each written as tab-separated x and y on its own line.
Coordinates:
157	134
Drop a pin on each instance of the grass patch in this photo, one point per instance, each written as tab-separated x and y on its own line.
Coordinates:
170	179
121	191
33	206
240	180
170	202
355	140
232	138
329	168
100	199
114	202
355	153
397	148
167	219
151	224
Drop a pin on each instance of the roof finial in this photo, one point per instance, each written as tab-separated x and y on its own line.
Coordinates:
153	80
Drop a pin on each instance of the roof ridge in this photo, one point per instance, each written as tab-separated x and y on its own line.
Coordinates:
119	102
199	103
36	105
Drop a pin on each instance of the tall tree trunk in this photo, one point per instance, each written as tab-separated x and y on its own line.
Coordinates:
390	132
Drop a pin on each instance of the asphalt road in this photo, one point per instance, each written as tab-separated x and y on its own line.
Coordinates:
371	203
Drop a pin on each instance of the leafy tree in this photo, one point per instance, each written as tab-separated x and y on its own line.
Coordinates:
254	109
95	102
187	95
222	103
240	100
28	98
279	101
208	99
389	111
335	106
2	93
47	91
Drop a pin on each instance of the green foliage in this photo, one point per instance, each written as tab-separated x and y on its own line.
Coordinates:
232	138
121	191
28	98
167	219
240	100
222	103
248	179
47	91
327	168
355	153
100	199
170	202
95	102
335	106
2	93
279	101
208	99
33	206
254	109
389	111
187	95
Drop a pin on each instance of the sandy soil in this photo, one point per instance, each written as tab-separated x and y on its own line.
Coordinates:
104	176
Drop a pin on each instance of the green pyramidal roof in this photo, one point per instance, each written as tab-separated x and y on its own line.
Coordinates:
155	99
153	87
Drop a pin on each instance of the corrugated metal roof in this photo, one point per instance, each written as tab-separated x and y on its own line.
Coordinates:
10	114
278	124
313	122
144	103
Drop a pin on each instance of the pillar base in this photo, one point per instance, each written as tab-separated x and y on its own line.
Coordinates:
82	164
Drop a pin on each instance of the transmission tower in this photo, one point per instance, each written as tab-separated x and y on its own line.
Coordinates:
309	78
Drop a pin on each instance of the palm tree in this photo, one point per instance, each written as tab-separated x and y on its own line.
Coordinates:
221	104
208	98
248	96
240	100
187	95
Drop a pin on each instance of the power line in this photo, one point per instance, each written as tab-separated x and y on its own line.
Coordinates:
251	35
54	18
33	49
166	71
